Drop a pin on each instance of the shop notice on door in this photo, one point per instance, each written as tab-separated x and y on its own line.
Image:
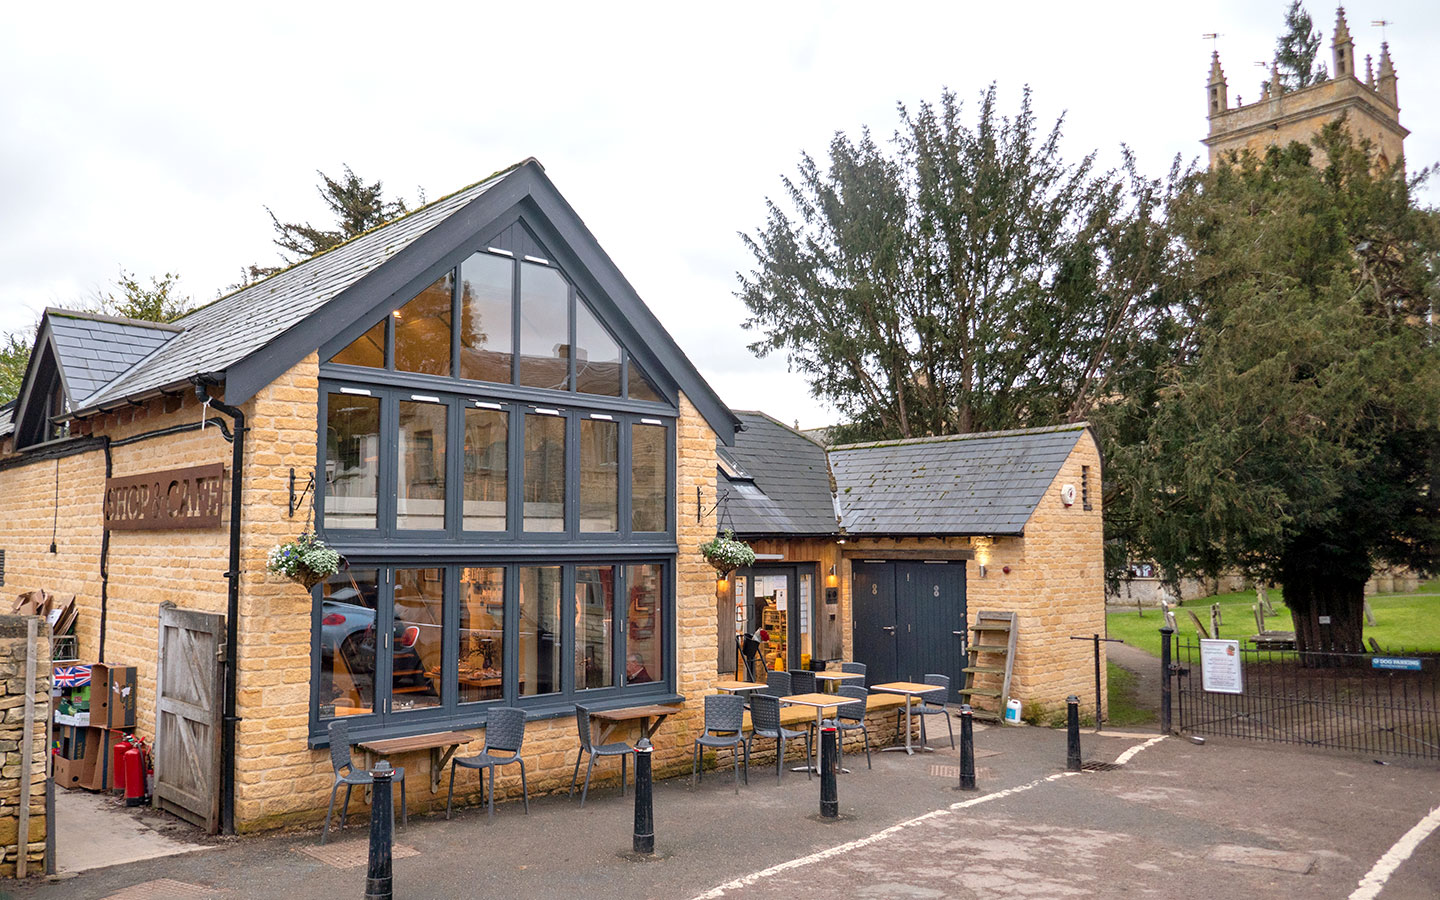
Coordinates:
174	498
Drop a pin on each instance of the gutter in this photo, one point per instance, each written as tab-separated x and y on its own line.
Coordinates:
232	614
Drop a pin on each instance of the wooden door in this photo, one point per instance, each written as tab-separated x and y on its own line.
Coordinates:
188	705
930	618
872	586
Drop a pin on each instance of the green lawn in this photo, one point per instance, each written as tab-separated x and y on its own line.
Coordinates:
1402	621
1123	710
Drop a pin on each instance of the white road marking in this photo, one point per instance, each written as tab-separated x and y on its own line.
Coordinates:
1125	757
745	880
1385	866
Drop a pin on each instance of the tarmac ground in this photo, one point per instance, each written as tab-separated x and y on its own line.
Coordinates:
1176	820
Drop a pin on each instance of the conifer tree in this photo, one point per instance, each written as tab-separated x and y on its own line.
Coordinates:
1296	49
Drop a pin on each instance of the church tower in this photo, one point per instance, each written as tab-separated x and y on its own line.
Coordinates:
1371	107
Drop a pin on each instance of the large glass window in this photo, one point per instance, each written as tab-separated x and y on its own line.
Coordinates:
648	474
597	355
420	481
638	386
544	473
367	350
594	623
348	606
645	617
599	476
487	469
539	631
486	299
415	676
544	328
422	330
482	634
352	460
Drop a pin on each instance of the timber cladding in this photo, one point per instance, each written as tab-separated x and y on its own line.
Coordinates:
174	498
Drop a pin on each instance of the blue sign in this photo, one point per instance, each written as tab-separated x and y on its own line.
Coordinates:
1394	662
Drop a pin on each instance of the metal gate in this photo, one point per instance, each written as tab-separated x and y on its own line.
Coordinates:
1361	702
188	706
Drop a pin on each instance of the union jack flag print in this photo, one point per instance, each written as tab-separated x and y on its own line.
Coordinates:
72	676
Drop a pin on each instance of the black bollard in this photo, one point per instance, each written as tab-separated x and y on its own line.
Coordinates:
644	799
967	748
378	882
829	762
1072	726
1166	634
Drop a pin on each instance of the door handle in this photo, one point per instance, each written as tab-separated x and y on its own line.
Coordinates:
889	628
958	633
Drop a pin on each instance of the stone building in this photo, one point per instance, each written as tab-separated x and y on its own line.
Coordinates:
1370	107
519	463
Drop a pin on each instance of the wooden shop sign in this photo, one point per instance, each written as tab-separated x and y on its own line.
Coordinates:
174	498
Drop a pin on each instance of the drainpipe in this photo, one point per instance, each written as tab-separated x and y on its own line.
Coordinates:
232	614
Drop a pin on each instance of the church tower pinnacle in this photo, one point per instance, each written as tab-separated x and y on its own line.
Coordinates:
1343	46
1219	102
1385	87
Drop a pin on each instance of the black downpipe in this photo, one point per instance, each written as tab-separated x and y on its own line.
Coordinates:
232	615
105	561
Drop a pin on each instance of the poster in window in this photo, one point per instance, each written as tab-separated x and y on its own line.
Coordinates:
1220	667
804	604
739	604
782	600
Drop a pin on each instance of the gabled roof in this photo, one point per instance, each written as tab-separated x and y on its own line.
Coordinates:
93	349
237	326
787	490
252	336
972	484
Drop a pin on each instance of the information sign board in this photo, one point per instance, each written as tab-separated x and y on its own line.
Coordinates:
1220	667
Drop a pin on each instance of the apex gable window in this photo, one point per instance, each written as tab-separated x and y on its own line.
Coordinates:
501	303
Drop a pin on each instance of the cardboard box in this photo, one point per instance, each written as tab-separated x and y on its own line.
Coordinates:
112	695
71	740
84	771
78	719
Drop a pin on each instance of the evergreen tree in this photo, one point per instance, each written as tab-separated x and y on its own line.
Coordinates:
357	207
971	280
1294	431
1296	49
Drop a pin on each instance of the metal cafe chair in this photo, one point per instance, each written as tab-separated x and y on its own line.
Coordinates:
724	724
765	722
778	684
617	748
854	668
504	732
851	716
347	774
802	681
933	704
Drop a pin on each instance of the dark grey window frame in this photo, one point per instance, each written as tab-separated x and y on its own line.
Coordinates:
451	713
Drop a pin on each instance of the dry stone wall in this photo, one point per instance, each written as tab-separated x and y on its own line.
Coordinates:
19	761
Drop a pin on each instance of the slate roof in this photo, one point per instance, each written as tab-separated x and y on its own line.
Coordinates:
242	323
788	491
93	349
975	484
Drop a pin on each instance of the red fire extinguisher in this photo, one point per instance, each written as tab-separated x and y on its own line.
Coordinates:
133	769
117	765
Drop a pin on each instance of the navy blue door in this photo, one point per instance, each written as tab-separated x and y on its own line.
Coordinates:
872	586
930	621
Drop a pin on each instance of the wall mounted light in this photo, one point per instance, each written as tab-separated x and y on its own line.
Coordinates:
831	579
722	584
982	571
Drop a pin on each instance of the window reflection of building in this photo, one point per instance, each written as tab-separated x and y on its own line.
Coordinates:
482	634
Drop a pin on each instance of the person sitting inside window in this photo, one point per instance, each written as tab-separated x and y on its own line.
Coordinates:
635	671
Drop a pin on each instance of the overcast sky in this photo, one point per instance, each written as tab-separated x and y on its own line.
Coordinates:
152	136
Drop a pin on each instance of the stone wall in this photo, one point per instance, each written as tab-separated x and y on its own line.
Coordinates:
1299	116
17	761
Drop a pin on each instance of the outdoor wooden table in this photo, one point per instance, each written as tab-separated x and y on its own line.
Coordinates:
910	689
739	687
612	719
830	681
820	703
447	741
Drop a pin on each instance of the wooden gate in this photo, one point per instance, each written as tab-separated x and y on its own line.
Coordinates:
188	706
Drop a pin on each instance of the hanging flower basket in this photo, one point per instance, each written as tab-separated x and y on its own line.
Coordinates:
727	554
307	560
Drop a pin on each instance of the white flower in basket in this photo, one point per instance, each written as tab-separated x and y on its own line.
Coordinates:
727	554
307	559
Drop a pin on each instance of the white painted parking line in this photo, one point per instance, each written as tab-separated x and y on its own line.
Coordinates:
829	852
1374	881
1128	755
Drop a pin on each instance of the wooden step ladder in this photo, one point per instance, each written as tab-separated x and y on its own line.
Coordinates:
991	661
